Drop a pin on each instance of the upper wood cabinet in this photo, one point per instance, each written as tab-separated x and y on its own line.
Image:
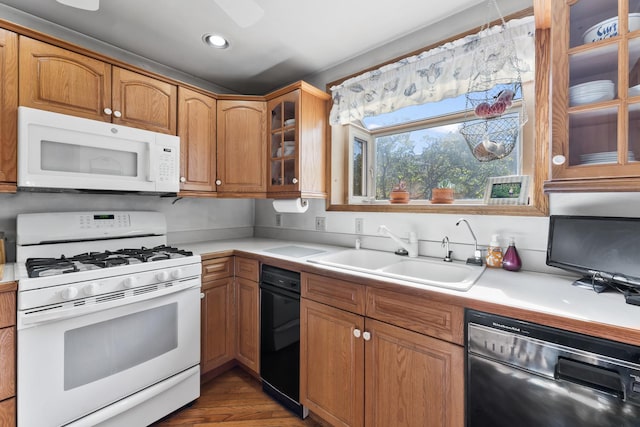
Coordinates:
56	79
197	132
241	149
596	96
8	110
297	142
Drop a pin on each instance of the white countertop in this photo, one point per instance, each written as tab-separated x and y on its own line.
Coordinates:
545	293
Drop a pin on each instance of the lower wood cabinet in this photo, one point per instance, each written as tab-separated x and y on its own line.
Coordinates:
217	327
248	324
357	371
8	357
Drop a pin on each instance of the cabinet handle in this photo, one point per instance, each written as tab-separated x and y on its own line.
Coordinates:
357	333
117	114
183	179
366	336
201	295
108	111
559	159
294	180
218	182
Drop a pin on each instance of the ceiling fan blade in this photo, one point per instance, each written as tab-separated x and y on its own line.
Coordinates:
245	13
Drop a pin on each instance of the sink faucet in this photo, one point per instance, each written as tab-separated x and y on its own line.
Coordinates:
447	252
477	254
411	247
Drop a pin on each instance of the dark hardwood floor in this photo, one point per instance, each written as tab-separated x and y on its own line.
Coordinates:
234	399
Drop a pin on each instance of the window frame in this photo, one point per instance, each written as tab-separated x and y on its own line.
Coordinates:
540	139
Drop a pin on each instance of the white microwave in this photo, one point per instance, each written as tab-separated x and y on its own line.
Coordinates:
57	151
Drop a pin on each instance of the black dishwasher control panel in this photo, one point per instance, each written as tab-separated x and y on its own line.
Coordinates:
280	278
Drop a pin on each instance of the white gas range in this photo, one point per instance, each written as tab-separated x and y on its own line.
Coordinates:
108	320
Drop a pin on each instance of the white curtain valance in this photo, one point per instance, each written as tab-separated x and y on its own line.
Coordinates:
439	73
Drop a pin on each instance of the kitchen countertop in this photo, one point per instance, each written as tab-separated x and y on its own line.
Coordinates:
535	292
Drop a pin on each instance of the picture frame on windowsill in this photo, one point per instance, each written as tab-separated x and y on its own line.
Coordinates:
507	190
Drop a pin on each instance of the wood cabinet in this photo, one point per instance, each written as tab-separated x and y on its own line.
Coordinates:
55	79
8	110
380	372
248	313
297	142
241	150
197	132
7	358
217	316
596	96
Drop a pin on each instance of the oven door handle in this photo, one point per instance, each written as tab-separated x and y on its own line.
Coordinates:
136	399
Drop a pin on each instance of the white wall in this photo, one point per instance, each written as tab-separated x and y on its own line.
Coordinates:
188	220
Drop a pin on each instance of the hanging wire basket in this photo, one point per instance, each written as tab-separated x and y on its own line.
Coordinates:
490	128
492	139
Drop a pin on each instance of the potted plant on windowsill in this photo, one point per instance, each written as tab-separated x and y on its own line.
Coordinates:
443	193
399	193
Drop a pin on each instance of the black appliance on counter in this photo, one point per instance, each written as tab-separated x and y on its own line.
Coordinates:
524	374
605	250
280	336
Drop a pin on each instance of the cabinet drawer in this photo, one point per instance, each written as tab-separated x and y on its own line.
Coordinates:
8	413
248	268
7	309
417	313
337	293
217	268
7	362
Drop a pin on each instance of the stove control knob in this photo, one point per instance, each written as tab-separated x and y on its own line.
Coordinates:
130	282
69	293
176	274
91	289
162	276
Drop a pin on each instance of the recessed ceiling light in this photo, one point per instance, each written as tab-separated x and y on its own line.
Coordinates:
91	5
215	40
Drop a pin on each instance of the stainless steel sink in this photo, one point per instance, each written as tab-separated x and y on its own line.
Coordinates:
421	270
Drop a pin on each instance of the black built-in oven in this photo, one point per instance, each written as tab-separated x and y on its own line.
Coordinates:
280	336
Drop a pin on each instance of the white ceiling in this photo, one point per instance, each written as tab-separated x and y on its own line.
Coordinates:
273	42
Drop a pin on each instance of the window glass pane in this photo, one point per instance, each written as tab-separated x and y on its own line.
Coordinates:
359	153
429	157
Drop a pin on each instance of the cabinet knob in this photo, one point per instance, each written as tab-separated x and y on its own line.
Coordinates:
218	182
559	159
108	111
357	333
201	295
366	336
183	179
117	114
294	180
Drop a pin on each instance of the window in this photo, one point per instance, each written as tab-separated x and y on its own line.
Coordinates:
422	146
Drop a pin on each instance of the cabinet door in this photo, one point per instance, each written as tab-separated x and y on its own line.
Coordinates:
197	132
144	102
331	363
217	332
248	324
411	379
55	79
8	108
284	143
241	147
7	362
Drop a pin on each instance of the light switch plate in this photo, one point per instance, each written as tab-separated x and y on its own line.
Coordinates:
321	223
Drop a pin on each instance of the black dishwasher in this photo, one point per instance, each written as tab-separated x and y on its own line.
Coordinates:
280	336
530	375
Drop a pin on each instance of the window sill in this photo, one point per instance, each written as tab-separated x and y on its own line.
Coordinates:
455	208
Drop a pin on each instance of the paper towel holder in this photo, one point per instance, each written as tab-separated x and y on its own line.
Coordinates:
298	205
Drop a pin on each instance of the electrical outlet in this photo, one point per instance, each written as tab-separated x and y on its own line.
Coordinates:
278	220
359	225
321	223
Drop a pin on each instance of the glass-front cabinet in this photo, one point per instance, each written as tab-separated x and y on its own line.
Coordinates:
297	142
595	95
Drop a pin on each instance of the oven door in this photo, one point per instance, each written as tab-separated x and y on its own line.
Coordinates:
71	367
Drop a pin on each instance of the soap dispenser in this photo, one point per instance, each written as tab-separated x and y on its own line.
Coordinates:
511	260
494	253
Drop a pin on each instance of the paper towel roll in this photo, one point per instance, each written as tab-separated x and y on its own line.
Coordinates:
291	205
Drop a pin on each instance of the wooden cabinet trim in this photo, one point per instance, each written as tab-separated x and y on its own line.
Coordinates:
8	413
337	293
417	313
7	309
217	268
247	268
